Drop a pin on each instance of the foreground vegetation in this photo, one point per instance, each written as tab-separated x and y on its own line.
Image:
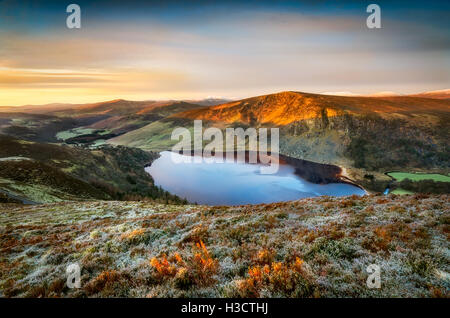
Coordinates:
317	247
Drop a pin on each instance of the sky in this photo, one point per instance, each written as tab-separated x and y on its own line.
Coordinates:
169	49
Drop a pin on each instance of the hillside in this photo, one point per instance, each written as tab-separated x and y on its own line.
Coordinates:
48	172
104	120
440	94
288	107
367	136
34	181
114	106
142	116
39	127
317	247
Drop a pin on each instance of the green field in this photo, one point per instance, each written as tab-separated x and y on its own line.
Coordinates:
399	176
152	137
66	134
401	191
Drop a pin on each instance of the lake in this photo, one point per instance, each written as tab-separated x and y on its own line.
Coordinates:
237	183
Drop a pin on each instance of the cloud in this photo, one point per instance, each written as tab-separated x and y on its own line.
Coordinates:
243	53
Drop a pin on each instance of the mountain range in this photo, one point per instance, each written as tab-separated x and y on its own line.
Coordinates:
365	136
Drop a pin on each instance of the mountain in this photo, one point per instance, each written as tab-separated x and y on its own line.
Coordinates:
367	136
115	106
439	94
287	107
210	101
38	109
121	118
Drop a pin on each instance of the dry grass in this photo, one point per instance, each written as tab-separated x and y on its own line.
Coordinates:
316	247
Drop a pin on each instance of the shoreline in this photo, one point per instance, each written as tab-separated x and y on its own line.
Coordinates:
317	173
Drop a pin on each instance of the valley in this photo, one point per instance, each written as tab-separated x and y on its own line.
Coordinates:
365	136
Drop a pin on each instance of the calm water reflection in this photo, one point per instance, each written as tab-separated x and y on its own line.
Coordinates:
237	183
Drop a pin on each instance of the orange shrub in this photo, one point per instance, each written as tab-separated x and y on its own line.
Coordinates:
199	268
265	256
178	258
163	267
346	203
383	238
104	281
203	264
290	279
132	234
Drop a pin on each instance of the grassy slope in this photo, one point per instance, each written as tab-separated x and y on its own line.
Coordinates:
155	136
401	191
116	173
117	117
40	182
318	247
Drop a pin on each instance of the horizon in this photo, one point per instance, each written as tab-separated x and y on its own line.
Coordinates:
231	99
160	51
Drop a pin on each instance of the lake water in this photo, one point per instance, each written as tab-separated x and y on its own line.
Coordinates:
237	183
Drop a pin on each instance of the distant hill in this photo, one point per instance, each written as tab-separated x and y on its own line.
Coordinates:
441	94
287	107
114	117
38	109
123	116
115	106
209	101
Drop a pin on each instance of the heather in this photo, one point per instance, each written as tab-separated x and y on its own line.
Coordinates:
316	247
